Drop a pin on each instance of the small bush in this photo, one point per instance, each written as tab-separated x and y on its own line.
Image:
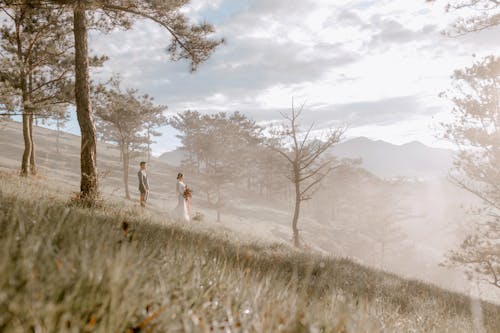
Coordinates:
200	217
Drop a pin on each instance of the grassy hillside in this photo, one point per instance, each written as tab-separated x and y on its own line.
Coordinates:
114	269
252	216
66	163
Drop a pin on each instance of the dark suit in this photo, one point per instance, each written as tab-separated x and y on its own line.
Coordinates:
143	186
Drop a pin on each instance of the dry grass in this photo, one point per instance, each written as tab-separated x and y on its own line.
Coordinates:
67	269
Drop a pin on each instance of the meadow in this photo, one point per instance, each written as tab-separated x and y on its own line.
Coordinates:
114	269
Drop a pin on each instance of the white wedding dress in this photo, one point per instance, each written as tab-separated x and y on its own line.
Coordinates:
181	212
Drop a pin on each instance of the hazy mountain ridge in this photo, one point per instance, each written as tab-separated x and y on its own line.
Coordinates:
173	157
387	160
384	159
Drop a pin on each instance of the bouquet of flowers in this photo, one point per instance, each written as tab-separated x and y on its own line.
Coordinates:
187	193
187	196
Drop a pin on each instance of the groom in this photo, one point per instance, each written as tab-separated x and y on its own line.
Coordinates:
143	184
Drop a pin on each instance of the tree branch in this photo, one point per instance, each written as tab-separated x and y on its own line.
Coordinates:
163	24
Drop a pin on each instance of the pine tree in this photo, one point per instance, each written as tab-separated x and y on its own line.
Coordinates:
124	118
219	148
476	131
188	41
36	66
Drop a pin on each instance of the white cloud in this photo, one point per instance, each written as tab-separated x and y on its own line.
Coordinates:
380	54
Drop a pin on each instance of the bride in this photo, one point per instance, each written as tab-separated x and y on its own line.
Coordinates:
182	209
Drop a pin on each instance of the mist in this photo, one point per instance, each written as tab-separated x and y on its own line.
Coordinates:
312	166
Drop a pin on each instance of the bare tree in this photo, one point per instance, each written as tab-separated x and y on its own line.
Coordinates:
307	159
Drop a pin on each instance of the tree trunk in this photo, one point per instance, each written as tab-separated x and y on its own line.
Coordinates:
126	154
296	212
27	143
57	135
25	102
32	142
219	203
149	147
88	165
33	168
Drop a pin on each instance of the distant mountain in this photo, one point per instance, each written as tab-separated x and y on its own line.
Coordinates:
413	159
173	157
386	160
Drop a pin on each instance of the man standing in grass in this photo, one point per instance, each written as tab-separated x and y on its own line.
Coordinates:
143	184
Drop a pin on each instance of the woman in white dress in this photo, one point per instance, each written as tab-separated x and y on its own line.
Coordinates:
182	209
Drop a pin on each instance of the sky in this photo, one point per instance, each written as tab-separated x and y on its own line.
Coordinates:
375	66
